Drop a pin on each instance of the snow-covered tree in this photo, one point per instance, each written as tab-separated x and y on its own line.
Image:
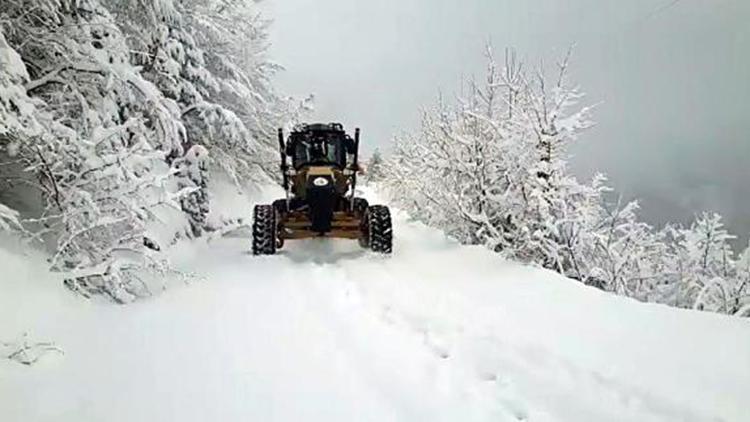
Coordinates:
741	305
210	57
100	156
17	110
17	116
8	219
192	173
375	170
492	168
113	105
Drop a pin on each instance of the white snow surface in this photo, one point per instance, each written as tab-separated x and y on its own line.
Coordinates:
325	331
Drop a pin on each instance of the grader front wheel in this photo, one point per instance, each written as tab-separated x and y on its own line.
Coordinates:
378	230
265	237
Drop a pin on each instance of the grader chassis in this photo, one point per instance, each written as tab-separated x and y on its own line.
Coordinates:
320	200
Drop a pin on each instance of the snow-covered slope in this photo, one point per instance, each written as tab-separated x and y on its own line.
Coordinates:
326	331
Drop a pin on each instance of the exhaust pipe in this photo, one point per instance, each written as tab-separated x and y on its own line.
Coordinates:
284	166
355	164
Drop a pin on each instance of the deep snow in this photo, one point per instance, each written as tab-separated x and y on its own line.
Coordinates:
326	331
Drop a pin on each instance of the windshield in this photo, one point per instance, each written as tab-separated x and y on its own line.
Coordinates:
318	152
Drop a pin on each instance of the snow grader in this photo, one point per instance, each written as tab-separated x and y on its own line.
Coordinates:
320	188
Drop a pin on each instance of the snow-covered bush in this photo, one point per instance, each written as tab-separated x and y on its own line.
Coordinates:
628	255
491	168
705	274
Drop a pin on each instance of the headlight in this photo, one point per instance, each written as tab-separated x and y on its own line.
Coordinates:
320	181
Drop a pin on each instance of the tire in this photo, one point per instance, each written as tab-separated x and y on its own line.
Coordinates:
379	229
360	210
280	206
360	206
264	230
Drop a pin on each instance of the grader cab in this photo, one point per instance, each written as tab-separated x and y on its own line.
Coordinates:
320	196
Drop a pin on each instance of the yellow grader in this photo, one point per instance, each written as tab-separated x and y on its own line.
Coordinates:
320	197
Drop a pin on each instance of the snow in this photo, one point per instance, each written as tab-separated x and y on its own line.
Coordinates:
327	331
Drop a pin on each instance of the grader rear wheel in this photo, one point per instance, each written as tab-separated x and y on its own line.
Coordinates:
360	206
377	230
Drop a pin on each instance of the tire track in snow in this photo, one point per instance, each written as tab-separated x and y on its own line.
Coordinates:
499	373
394	362
340	301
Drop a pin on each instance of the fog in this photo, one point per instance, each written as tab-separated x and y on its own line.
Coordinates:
671	80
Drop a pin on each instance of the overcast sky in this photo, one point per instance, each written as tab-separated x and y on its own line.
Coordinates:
673	80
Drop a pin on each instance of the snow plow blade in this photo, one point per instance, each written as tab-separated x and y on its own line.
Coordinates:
344	225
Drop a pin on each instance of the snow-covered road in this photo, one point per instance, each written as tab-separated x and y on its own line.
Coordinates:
325	331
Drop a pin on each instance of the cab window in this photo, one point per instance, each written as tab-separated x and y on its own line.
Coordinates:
323	152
